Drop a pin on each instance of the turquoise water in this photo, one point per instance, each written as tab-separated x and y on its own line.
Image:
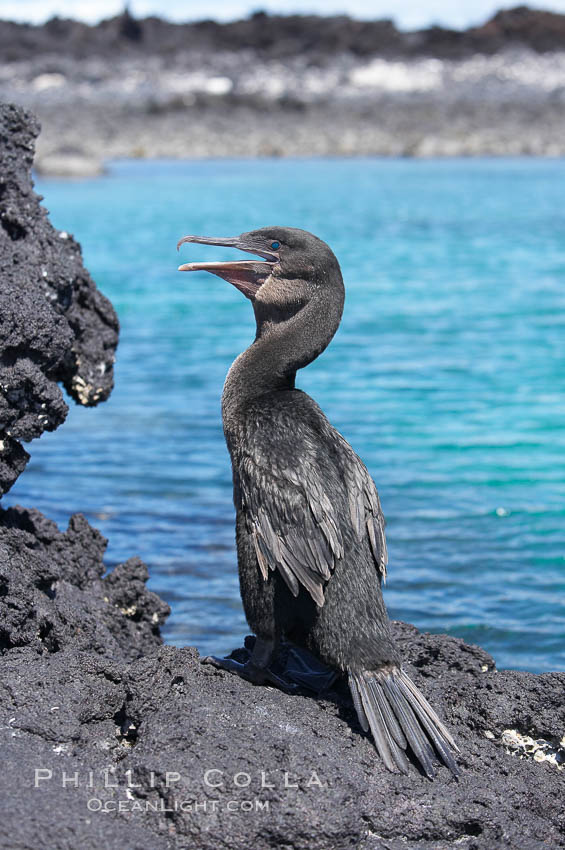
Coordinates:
447	376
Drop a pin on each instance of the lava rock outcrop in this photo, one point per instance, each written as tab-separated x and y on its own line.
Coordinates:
55	326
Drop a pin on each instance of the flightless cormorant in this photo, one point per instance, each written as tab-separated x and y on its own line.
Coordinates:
309	528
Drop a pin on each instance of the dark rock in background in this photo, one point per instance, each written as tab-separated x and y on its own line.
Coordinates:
542	31
280	36
54	324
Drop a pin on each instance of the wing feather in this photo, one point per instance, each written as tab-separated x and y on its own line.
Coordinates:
263	564
295	526
365	507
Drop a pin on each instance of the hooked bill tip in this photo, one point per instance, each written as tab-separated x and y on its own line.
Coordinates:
184	240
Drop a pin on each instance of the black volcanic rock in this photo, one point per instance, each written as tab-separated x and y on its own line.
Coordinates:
53	596
522	26
55	327
110	739
202	759
130	28
280	36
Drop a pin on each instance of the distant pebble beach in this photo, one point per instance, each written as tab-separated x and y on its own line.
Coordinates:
413	95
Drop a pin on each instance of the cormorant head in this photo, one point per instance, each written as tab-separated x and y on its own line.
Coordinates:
296	269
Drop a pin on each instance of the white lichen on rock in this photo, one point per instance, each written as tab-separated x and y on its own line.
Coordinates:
539	750
86	393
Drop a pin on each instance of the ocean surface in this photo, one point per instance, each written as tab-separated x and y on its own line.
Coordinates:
447	376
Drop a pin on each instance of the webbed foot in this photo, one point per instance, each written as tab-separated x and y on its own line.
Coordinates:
252	672
302	667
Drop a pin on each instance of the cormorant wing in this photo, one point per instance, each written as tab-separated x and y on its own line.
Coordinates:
293	492
365	506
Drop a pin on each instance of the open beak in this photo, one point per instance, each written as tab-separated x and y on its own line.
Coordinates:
246	275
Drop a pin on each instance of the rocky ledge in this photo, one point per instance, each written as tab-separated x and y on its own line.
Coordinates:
110	739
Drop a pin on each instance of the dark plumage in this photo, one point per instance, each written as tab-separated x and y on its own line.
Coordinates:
309	528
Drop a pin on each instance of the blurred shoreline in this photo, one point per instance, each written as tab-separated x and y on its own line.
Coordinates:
286	86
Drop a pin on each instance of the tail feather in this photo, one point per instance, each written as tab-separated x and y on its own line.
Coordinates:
418	741
393	756
398	715
389	716
431	723
357	703
423	706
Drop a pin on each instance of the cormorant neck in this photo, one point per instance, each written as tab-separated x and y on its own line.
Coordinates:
281	347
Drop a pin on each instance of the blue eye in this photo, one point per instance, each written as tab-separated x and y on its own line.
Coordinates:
275	245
